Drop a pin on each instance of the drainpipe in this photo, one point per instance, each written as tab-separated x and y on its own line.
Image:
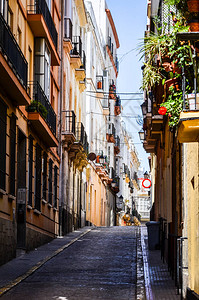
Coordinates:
61	187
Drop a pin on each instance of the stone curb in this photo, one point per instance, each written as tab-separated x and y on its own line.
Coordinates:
140	284
19	279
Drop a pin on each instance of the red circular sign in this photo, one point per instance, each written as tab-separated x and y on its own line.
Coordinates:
146	183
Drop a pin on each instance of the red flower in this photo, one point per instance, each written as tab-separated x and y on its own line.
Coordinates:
169	115
162	110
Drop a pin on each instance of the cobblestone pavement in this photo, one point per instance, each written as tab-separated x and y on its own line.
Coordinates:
158	283
98	265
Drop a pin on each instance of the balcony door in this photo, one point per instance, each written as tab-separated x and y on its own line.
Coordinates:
42	65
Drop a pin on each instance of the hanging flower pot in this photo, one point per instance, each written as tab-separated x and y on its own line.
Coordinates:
162	110
194	25
193	6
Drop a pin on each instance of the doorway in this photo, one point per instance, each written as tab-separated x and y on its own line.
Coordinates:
21	191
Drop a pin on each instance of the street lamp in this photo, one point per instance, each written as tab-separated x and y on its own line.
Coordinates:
144	108
141	135
102	159
121	199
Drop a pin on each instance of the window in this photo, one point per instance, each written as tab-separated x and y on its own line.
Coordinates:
48	2
38	178
44	176
30	170
3	115
4	8
47	72
10	19
12	153
42	65
18	37
50	181
55	186
29	63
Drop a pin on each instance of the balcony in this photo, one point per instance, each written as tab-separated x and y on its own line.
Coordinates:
80	148
80	73
42	25
188	129
68	29
110	136
117	108
117	146
42	116
68	129
13	66
76	52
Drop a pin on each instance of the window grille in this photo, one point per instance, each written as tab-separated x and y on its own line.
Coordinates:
3	115
12	153
55	186
50	181
30	169
38	178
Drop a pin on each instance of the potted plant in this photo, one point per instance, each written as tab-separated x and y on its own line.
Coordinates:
36	106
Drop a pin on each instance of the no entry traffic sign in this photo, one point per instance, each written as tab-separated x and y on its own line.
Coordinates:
146	183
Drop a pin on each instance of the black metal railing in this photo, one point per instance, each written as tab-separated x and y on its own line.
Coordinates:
10	48
117	142
118	101
117	63
100	82
77	46
79	133
135	176
81	136
42	105
41	7
111	172
111	129
110	45
83	60
69	122
68	28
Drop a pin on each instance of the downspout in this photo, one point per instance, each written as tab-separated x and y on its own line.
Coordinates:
60	124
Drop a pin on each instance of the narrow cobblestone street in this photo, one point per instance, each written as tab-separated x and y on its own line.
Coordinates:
100	265
91	263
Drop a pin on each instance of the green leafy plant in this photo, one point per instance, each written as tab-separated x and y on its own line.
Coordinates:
174	104
36	106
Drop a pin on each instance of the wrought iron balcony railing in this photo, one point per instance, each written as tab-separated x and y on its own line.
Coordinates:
117	143
110	45
68	28
42	105
69	122
10	48
77	46
111	129
117	63
41	7
81	136
118	101
83	59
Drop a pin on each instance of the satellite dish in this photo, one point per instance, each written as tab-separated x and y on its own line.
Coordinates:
91	156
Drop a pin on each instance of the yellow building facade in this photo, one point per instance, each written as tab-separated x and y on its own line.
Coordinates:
29	90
